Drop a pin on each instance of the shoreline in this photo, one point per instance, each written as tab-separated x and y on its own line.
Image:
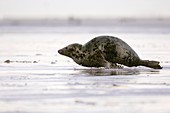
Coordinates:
84	21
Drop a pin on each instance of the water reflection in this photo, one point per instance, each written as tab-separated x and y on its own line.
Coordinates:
111	72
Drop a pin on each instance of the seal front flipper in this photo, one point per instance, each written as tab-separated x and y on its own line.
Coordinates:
109	65
94	59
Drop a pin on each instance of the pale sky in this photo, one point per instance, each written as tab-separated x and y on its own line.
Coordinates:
84	8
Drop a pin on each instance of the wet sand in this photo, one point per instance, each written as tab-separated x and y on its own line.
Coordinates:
35	88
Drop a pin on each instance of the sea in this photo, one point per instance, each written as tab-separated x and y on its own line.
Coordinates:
34	78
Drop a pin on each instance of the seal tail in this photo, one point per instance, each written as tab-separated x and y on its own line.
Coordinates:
151	64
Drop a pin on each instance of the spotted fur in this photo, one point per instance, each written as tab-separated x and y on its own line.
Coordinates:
105	51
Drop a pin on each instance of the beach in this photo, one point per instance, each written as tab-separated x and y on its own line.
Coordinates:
39	80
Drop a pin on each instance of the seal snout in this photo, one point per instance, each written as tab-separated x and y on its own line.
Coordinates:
60	51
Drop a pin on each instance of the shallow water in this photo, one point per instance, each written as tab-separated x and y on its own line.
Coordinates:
39	80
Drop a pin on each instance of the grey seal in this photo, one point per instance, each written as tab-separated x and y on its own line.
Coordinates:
105	51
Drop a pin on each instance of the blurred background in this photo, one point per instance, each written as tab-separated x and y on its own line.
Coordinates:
145	13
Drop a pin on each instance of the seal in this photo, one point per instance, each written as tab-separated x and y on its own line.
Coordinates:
105	51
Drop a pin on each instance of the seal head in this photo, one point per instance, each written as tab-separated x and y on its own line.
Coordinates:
70	50
73	51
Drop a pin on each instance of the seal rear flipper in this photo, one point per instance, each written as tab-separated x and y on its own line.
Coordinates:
151	64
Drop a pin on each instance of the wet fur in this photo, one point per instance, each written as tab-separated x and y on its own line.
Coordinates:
103	51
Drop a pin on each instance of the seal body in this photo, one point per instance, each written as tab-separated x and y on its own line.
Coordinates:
105	51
